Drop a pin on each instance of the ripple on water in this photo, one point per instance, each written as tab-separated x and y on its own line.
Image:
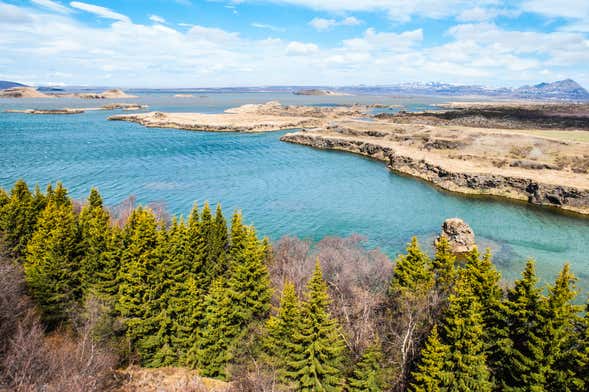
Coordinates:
282	188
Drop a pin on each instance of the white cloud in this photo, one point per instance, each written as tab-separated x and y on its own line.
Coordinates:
102	12
575	9
52	5
11	14
301	48
267	27
157	19
350	21
480	14
156	55
373	40
322	24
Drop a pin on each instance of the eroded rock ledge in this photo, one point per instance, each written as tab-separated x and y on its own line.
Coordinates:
518	188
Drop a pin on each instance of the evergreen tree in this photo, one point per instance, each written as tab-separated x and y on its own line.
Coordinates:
369	374
431	375
215	243
444	266
18	219
137	275
463	333
249	281
560	331
483	278
412	274
523	365
221	328
318	366
52	262
95	233
282	329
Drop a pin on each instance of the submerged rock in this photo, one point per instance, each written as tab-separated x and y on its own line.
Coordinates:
459	235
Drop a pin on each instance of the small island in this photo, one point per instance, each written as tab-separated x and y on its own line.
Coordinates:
319	92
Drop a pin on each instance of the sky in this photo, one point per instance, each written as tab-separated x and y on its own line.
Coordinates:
217	43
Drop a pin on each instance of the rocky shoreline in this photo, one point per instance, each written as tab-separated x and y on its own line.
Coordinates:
518	188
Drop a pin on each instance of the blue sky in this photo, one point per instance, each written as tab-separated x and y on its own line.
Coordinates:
190	43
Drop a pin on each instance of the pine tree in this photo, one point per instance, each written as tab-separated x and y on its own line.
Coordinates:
95	232
431	375
280	344
369	374
139	263
523	366
483	278
220	329
18	219
560	330
52	262
319	364
444	266
215	243
412	274
249	281
463	333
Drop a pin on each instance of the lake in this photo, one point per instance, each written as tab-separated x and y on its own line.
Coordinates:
283	189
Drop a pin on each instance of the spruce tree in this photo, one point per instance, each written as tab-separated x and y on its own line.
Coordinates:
369	374
139	263
523	366
444	266
220	330
431	374
283	329
412	274
52	269
319	365
463	333
560	331
18	219
95	232
249	280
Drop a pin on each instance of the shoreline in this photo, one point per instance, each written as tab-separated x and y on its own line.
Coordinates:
518	189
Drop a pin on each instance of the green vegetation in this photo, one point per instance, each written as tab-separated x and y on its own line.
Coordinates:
199	293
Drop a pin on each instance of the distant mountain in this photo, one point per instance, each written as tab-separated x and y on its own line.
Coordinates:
6	84
568	89
561	90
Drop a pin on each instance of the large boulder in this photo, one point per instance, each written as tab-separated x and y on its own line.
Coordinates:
459	235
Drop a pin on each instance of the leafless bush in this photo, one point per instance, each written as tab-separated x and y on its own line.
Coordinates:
66	361
120	213
14	305
357	278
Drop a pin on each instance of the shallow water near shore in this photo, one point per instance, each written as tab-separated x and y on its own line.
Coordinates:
283	189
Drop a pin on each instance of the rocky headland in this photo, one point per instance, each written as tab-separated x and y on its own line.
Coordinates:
270	116
546	167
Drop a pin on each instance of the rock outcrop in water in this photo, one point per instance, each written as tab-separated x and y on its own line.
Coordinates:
459	234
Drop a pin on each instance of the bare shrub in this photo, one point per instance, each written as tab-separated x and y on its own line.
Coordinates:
66	361
357	278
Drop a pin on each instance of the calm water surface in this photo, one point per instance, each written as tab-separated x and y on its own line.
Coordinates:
283	189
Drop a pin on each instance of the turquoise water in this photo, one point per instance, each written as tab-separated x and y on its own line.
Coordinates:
283	189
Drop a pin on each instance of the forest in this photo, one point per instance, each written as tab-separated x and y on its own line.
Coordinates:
88	289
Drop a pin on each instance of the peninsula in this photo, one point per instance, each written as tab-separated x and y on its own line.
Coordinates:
536	153
270	116
528	151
